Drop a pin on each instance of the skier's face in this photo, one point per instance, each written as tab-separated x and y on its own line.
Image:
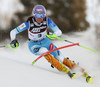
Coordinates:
39	17
39	20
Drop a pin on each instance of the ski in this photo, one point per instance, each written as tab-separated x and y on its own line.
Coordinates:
84	74
88	78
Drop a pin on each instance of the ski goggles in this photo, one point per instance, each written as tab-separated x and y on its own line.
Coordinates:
39	15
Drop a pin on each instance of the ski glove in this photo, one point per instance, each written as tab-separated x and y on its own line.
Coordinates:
14	44
51	35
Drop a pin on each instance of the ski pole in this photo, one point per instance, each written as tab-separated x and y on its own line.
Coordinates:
73	43
54	50
5	46
79	45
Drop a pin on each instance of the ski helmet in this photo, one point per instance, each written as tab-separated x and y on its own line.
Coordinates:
39	9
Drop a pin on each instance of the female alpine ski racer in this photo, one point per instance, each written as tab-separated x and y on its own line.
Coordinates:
38	43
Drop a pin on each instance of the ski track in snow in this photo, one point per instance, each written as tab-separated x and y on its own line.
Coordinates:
17	71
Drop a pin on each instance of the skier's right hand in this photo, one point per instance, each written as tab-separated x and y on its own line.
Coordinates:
14	44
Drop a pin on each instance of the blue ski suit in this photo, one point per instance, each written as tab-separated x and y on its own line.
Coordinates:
38	43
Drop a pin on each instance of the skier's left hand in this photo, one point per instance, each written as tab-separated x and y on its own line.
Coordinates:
51	35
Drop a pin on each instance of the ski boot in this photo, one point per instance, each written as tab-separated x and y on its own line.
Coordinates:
65	70
88	78
69	63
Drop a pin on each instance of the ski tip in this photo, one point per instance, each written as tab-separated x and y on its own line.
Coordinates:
73	75
89	79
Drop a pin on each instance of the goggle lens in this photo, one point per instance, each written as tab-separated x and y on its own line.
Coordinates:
39	15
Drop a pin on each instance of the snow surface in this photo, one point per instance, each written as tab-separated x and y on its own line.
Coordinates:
17	71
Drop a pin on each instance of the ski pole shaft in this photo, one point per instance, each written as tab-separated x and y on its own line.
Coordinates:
78	45
5	46
54	50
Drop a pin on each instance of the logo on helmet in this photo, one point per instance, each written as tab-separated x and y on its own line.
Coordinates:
39	9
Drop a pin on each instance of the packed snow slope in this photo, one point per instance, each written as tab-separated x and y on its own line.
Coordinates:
15	65
16	69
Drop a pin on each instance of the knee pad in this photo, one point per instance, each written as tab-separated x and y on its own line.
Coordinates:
42	50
